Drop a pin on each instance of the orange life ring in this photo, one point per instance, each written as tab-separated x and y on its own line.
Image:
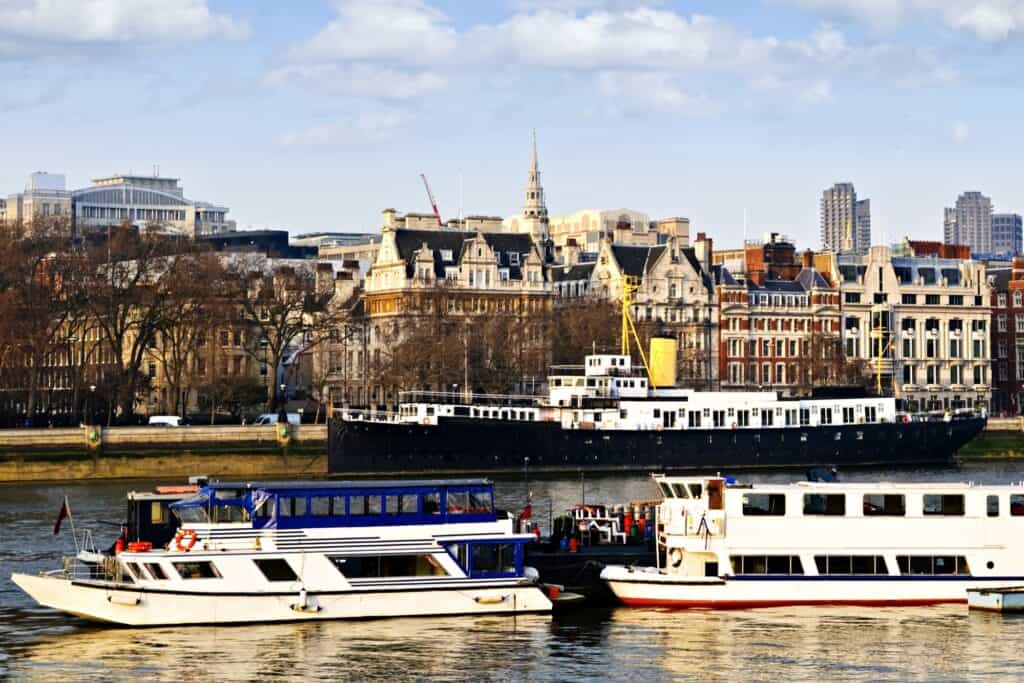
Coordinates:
179	539
734	425
425	422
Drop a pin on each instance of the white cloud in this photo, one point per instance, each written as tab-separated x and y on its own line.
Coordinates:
33	25
960	132
989	20
366	80
627	93
350	129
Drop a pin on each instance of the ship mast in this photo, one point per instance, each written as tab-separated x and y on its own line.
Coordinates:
630	284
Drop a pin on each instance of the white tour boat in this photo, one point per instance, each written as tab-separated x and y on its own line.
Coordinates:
725	545
271	552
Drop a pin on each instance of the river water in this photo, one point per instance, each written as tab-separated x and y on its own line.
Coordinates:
622	644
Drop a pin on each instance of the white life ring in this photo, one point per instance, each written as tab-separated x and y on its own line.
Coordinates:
675	556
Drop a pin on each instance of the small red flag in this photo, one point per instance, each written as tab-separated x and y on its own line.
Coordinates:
65	511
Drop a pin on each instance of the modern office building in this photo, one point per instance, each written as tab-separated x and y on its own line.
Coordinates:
1006	234
845	221
146	201
970	223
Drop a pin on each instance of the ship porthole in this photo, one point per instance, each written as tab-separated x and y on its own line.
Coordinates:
990	564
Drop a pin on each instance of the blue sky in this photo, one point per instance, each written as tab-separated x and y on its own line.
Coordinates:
315	115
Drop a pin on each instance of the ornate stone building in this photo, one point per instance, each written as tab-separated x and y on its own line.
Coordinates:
921	324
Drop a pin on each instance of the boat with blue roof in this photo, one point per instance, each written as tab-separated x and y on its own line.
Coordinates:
261	552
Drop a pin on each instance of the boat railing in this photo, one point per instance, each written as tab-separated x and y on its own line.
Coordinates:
462	398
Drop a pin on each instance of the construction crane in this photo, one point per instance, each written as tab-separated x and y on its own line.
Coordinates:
433	202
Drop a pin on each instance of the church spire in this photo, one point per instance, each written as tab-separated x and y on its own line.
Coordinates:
534	207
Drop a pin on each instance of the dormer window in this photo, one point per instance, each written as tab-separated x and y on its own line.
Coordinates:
446	254
513	258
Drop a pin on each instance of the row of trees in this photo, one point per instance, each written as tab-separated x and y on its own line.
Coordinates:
84	321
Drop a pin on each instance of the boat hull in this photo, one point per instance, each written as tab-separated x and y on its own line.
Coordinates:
475	445
126	606
648	589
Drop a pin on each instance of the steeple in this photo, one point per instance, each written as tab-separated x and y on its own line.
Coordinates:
534	207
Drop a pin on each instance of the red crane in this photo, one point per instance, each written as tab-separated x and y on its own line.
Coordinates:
433	202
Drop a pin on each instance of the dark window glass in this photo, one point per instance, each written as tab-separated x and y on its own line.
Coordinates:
156	571
276	570
992	506
764	504
375	566
494	558
290	506
884	505
1017	505
935	504
833	504
778	564
432	503
196	570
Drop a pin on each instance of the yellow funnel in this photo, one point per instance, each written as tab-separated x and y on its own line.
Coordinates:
663	361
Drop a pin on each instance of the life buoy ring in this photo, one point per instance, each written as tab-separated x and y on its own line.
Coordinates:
426	421
179	539
734	425
906	419
675	556
658	428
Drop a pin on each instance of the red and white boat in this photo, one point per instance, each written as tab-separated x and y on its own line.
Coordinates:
721	544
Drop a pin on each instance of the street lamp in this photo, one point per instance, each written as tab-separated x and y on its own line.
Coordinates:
92	404
282	413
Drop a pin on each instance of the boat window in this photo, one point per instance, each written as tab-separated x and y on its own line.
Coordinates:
374	505
490	558
933	564
696	490
935	504
136	570
992	506
157	512
829	504
291	506
276	569
678	491
378	566
884	505
391	504
665	490
1017	505
850	564
357	505
458	501
230	513
764	504
196	570
320	506
156	571
432	503
766	564
408	504
480	502
124	574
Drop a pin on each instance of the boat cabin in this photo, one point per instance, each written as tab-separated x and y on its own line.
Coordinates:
313	504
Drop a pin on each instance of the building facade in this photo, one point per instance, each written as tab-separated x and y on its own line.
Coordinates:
1006	234
45	198
1007	337
845	220
146	201
778	334
921	325
970	223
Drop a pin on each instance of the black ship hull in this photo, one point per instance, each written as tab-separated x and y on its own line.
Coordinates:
472	445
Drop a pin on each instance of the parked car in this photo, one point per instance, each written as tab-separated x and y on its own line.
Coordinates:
164	421
273	419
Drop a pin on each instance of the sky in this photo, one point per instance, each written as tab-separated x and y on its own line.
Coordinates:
317	114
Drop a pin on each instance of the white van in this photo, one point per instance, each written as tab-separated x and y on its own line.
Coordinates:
164	421
272	419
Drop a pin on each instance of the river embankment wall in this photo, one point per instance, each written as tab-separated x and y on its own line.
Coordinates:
94	452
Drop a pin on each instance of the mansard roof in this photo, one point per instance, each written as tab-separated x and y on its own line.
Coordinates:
578	271
810	278
409	242
787	286
724	277
636	260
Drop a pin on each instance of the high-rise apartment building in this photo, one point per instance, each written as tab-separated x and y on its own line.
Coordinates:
1006	234
970	223
845	221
